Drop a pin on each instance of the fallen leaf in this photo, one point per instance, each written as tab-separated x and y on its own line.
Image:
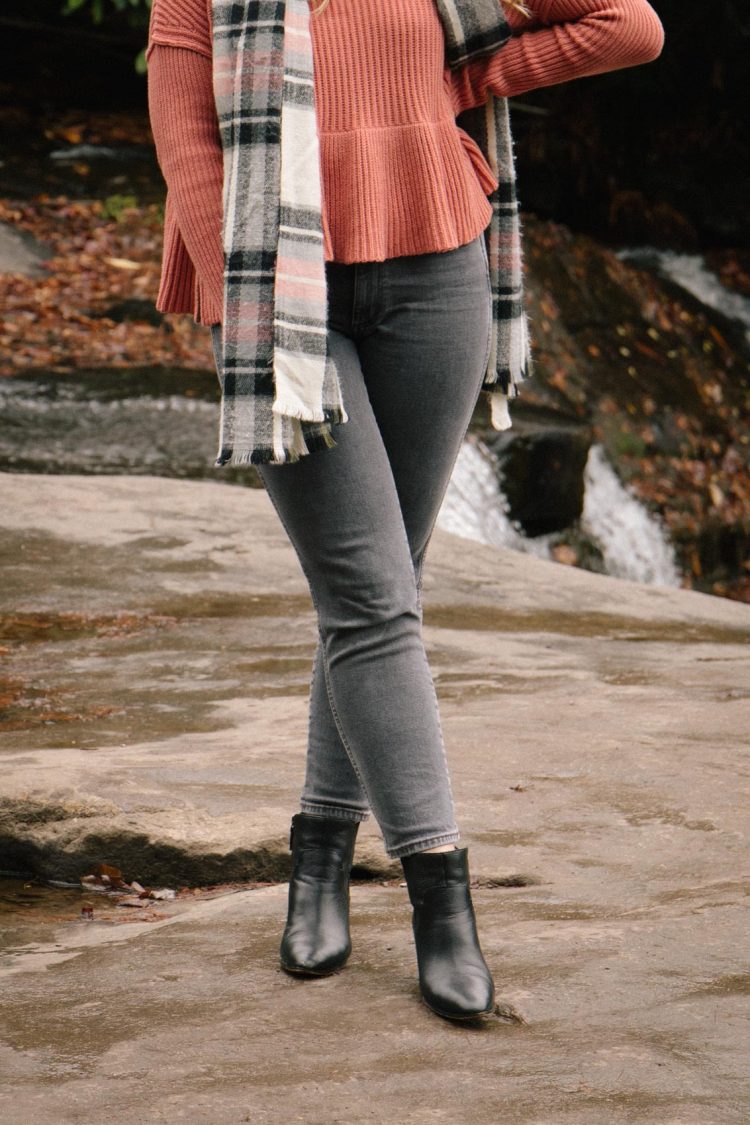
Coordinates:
103	870
717	496
104	876
123	263
563	553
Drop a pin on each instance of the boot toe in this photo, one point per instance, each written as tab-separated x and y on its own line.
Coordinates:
464	997
305	957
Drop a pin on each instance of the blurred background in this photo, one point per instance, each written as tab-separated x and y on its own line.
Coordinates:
629	451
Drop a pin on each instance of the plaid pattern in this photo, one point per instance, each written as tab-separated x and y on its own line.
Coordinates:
280	389
474	28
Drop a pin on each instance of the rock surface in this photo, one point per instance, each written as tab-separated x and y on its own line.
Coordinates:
158	640
20	253
158	637
632	1014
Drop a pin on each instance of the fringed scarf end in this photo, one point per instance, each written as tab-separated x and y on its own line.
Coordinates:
500	418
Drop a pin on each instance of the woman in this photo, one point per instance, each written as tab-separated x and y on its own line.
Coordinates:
409	316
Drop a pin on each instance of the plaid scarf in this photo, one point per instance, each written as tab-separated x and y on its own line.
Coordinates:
280	389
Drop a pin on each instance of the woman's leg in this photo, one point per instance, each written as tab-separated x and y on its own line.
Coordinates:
332	786
360	516
423	367
405	397
340	509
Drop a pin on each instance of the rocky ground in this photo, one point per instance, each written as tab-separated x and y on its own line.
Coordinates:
157	640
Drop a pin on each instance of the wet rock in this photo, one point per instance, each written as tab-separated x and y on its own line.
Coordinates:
119	420
20	253
61	838
541	473
134	309
161	637
723	551
612	1013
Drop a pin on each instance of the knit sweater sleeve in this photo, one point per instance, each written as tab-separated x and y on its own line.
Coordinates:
181	23
186	131
563	40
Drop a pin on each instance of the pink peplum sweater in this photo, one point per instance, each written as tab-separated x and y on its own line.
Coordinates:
398	175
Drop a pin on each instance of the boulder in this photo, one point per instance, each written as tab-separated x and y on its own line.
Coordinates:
541	471
20	253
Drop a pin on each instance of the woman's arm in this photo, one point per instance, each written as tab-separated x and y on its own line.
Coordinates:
186	131
564	39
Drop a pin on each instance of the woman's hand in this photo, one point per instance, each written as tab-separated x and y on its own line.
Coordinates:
564	39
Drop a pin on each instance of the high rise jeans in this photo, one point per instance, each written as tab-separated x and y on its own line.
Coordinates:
411	338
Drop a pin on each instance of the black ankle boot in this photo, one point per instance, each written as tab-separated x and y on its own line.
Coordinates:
453	975
316	939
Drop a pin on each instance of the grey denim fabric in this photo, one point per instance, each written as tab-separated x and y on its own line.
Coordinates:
411	339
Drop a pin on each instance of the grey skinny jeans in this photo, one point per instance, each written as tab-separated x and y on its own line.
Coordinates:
411	338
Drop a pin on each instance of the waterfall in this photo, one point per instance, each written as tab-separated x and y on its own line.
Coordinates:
691	273
633	543
475	508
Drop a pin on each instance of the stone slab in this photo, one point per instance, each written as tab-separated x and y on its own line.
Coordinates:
630	1014
20	253
159	637
157	641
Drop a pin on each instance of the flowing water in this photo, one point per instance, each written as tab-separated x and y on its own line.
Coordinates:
691	273
633	544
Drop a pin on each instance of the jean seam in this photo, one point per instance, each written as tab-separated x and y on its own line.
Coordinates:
309	715
444	753
483	246
321	646
337	721
334	712
423	843
419	579
336	811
